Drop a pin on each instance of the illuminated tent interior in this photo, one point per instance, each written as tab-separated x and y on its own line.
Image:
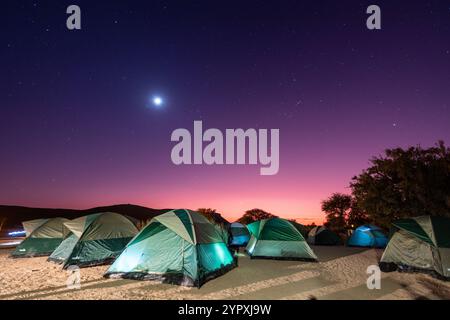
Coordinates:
367	236
239	234
94	239
180	247
277	238
42	237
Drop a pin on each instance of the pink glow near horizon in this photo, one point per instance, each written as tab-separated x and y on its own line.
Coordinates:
292	194
296	192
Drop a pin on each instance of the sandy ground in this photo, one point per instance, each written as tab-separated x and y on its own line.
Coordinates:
340	274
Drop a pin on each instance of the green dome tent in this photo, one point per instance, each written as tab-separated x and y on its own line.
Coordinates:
323	236
419	244
94	239
180	247
277	239
42	237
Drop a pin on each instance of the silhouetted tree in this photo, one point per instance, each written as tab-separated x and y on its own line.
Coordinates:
356	217
337	208
405	183
255	215
213	216
208	213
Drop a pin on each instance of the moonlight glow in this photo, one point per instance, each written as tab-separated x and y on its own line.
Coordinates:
157	101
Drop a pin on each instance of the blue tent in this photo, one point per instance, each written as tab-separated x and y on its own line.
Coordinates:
368	236
239	234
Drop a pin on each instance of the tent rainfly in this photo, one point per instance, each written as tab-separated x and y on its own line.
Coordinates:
179	247
42	237
94	239
419	244
277	238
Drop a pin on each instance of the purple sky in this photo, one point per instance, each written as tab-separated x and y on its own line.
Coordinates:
78	130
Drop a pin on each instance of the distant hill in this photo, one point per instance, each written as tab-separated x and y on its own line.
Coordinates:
12	216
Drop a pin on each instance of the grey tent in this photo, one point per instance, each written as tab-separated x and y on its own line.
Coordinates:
419	244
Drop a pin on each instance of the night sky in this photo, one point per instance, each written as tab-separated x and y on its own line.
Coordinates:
78	128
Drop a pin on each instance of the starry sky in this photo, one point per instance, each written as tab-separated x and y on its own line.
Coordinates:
77	127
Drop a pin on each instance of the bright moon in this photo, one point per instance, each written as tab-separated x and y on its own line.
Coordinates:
157	101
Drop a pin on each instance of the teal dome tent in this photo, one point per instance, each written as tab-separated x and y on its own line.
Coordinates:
277	238
180	247
94	239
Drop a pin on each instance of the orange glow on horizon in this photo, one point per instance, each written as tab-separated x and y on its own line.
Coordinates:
304	213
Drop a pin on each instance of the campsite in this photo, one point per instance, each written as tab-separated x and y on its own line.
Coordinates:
340	274
224	150
181	254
